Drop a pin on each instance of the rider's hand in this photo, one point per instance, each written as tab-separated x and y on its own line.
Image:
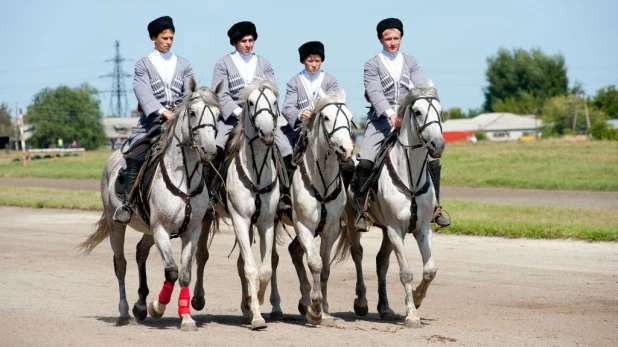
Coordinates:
167	114
305	114
395	121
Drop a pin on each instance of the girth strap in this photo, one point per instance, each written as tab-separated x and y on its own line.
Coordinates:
186	197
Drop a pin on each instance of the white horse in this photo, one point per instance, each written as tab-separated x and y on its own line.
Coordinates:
404	203
318	199
177	205
252	190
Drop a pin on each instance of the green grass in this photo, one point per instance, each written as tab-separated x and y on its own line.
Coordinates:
535	222
582	165
88	166
50	198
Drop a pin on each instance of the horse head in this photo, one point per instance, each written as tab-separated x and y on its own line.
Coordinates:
199	111
331	119
422	114
262	111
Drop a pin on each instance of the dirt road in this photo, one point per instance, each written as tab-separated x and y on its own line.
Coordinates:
591	199
488	292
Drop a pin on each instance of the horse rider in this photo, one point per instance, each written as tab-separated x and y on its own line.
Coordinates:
160	81
387	76
303	91
237	70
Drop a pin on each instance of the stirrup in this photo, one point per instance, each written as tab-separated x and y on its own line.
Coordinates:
122	214
361	223
440	220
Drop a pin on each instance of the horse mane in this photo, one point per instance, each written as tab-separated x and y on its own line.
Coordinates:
238	132
412	96
207	95
327	98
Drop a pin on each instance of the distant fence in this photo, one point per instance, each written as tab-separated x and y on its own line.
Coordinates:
53	152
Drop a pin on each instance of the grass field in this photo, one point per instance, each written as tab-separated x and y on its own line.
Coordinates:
468	218
548	164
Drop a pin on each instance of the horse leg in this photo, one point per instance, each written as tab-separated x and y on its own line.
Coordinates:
356	250
201	257
244	303
405	275
382	262
142	250
156	308
306	238
328	237
429	267
116	239
248	271
275	298
296	253
189	243
266	231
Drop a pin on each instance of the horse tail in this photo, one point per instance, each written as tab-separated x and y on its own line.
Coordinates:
100	234
344	243
280	232
213	229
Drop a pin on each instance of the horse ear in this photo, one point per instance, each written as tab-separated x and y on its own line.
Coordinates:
430	83
219	87
342	95
192	85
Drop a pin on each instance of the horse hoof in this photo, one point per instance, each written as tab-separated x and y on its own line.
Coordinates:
258	324
152	310
302	308
198	303
312	317
413	322
328	320
123	320
360	307
276	315
388	315
140	311
188	326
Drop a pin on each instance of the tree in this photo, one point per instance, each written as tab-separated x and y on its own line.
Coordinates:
67	113
557	114
607	101
6	122
520	81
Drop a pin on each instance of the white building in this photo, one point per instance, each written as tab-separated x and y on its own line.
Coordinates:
497	126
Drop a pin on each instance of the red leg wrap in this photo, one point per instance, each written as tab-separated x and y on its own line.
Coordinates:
183	302
166	292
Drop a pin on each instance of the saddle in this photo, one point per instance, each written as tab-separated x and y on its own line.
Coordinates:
378	164
141	194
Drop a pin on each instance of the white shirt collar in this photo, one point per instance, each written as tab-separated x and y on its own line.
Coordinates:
390	56
311	77
164	63
246	58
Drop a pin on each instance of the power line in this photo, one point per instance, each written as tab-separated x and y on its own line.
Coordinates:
119	93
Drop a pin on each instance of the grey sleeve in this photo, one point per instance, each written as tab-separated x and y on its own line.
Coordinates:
373	88
417	77
187	78
290	103
269	72
143	90
228	105
332	85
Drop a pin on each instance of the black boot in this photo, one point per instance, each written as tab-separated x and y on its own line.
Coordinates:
347	172
362	172
123	212
213	182
434	169
285	201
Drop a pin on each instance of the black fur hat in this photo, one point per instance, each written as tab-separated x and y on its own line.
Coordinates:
240	30
309	48
158	25
389	23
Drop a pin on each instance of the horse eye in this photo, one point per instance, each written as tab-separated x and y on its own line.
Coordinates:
326	118
417	112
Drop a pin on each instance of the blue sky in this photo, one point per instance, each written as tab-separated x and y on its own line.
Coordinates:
61	42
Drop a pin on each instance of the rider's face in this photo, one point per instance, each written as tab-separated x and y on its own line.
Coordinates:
245	45
163	42
312	63
391	40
